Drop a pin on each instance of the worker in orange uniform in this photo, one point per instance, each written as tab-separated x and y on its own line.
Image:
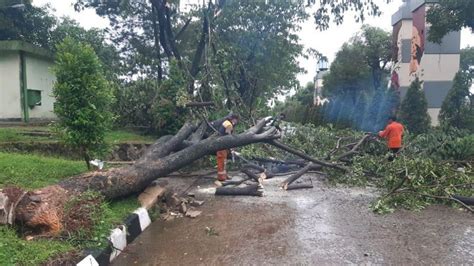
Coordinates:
393	133
226	128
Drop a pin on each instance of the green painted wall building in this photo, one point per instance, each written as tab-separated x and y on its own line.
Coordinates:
26	82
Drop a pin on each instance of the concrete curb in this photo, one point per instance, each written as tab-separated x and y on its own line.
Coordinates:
119	237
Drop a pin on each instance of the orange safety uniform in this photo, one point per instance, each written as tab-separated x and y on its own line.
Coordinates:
393	133
226	128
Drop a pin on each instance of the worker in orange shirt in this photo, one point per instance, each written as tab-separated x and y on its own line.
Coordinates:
393	133
225	128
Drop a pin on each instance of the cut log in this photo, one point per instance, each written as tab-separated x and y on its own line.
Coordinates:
150	196
298	174
250	190
43	208
252	175
264	174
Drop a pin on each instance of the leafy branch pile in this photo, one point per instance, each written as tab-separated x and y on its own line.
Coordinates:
431	168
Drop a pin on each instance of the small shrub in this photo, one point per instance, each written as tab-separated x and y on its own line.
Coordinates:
456	110
83	98
414	109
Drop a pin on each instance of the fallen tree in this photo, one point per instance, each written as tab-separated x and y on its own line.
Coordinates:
43	209
437	166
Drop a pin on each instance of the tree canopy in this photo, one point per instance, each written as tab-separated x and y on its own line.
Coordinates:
467	59
456	110
445	15
239	54
449	15
414	109
361	64
31	24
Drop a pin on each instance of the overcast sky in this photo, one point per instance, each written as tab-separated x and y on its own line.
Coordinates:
327	42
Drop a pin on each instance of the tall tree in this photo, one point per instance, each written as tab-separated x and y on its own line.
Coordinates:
135	33
449	15
414	109
256	49
456	111
349	73
444	17
355	82
336	10
31	24
96	38
467	59
377	48
370	51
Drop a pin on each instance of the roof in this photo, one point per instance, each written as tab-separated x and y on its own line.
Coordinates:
403	12
406	9
415	4
25	47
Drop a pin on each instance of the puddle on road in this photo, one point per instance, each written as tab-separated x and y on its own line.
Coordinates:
320	225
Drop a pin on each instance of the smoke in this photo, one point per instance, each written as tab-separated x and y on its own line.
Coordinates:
367	111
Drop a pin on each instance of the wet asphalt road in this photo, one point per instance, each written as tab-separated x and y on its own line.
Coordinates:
323	225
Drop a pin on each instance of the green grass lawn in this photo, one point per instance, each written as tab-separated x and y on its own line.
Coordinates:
35	171
119	136
17	251
15	134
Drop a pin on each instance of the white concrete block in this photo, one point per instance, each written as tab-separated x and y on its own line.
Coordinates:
143	217
88	261
118	237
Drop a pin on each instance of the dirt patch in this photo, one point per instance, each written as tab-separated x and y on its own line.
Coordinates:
79	214
65	259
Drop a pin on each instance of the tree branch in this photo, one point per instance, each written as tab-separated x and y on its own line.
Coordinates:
181	31
305	156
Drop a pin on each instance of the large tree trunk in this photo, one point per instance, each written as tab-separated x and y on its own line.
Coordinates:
42	209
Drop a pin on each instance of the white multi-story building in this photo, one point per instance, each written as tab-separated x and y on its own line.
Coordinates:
318	83
415	56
